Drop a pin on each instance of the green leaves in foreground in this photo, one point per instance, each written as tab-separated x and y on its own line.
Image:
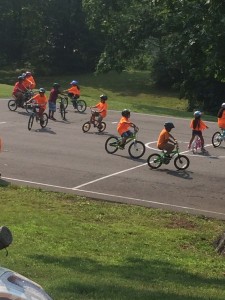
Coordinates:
78	248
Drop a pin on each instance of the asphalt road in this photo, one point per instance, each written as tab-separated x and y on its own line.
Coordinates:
63	158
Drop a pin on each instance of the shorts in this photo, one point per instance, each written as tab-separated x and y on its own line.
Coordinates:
127	134
52	106
197	132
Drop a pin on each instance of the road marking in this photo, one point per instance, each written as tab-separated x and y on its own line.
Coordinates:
2	122
154	202
120	197
38	183
110	175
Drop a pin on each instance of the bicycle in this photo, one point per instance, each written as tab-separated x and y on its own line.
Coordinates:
62	107
13	104
78	104
181	162
135	150
196	144
218	137
87	125
34	115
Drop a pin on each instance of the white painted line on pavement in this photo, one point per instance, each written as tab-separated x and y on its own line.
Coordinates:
38	183
120	197
107	176
2	122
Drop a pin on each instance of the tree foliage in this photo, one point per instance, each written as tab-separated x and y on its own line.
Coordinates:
181	42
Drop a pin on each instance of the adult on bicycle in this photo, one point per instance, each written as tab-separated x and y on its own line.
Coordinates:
29	81
19	90
123	127
41	100
165	140
102	107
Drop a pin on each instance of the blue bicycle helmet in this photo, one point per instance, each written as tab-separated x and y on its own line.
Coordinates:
74	82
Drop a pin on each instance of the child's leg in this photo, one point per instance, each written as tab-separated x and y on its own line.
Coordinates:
191	140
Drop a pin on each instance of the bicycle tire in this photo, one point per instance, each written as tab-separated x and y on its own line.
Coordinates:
136	149
217	139
65	102
181	162
62	111
154	161
112	144
45	120
101	126
86	127
81	106
30	121
12	105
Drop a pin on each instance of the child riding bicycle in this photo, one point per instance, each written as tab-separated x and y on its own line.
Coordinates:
165	140
221	117
41	100
123	127
74	90
197	126
102	107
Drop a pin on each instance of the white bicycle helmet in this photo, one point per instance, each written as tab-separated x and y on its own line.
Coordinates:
223	105
197	113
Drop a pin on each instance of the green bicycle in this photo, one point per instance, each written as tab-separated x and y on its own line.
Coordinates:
135	150
181	162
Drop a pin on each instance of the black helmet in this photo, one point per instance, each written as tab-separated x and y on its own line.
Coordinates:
20	77
126	113
103	97
41	90
169	125
55	84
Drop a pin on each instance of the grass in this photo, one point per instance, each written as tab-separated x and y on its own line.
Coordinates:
78	248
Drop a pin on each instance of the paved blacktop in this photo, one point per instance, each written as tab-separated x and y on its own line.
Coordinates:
63	158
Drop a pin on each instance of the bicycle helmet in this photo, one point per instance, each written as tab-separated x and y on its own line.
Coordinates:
126	113
223	105
103	97
41	90
197	113
169	125
20	78
55	84
28	73
74	82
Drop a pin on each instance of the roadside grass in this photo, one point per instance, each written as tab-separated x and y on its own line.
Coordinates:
129	89
80	248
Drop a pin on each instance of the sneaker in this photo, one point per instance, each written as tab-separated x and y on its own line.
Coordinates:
203	150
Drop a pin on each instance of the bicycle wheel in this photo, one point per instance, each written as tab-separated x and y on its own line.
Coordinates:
111	144
217	139
101	126
154	161
81	106
30	121
12	105
136	149
65	102
62	111
181	162
86	127
44	120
